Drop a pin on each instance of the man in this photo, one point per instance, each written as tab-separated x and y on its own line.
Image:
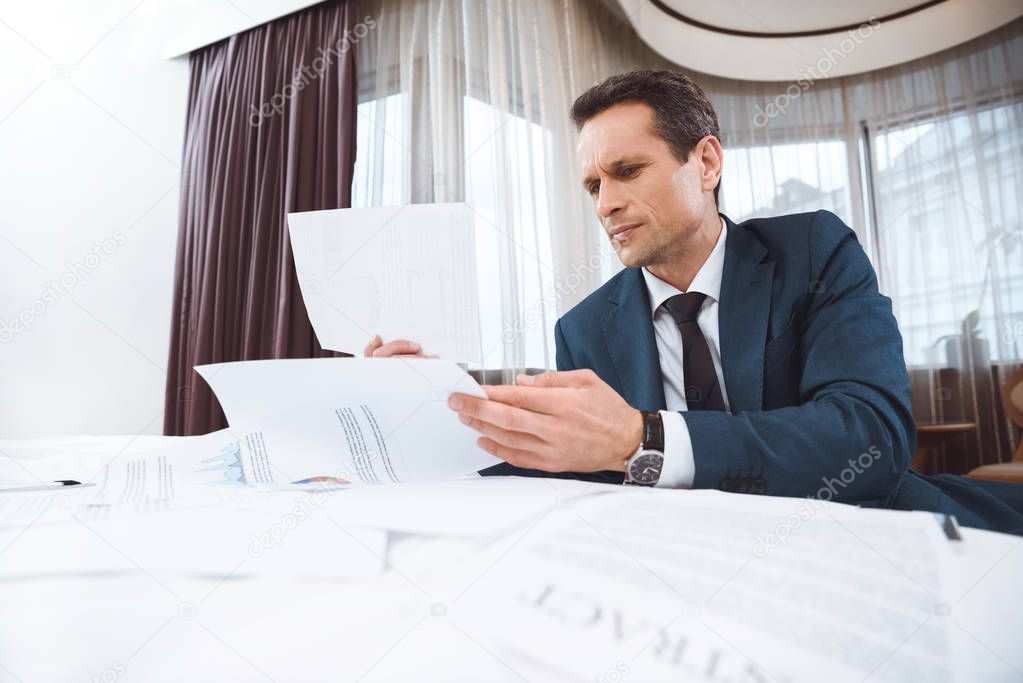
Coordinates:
752	358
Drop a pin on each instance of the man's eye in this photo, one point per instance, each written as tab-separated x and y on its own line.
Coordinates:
594	188
630	172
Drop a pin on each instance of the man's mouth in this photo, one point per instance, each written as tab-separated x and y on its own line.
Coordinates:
622	232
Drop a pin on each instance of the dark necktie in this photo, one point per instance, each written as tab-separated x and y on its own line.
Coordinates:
701	382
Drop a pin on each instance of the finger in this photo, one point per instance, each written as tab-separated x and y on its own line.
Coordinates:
372	346
517	440
512	456
503	416
397	347
566	379
538	399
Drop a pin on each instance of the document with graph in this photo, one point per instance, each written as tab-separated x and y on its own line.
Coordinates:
347	420
191	471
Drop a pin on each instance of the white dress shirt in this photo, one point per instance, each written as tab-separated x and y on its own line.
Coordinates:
679	468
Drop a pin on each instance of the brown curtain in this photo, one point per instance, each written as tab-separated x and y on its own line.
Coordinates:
270	130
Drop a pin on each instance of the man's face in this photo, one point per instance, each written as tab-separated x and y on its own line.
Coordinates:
649	203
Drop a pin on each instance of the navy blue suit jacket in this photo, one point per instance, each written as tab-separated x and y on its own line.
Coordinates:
812	362
810	352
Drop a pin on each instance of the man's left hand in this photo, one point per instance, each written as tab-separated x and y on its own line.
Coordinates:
557	422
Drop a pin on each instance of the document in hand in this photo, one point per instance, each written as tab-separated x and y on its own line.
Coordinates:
403	272
348	420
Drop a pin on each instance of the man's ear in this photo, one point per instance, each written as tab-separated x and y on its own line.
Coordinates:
712	158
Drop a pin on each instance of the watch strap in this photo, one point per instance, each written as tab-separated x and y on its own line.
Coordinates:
653	431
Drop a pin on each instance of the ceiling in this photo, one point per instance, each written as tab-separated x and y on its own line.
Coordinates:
778	40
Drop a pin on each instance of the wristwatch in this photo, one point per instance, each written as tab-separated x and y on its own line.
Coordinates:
644	467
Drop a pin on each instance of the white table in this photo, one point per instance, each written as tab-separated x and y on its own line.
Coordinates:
403	625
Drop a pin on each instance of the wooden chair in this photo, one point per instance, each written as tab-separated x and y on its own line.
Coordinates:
1012	400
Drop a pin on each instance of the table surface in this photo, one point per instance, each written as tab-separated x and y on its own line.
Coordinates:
945	427
64	627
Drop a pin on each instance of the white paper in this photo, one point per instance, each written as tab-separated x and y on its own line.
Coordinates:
119	484
357	420
33	461
194	467
181	509
403	272
677	587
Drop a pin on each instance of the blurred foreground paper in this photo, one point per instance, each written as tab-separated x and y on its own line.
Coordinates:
348	420
274	534
403	272
708	586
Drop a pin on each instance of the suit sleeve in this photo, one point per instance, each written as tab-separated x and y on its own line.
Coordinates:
562	357
852	434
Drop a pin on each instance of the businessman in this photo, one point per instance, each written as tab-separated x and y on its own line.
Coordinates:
752	358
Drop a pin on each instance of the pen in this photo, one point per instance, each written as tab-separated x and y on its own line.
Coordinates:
951	528
59	484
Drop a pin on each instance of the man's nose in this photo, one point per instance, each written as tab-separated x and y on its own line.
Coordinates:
609	200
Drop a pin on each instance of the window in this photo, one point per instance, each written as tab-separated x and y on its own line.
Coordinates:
949	233
505	185
786	178
382	152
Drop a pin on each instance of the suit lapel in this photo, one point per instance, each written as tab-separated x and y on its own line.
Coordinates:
629	335
742	318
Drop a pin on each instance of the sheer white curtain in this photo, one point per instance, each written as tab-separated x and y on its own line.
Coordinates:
946	136
468	100
786	154
948	170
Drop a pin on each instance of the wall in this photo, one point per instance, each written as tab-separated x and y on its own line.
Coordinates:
91	124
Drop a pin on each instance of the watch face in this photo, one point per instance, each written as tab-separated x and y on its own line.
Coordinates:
645	468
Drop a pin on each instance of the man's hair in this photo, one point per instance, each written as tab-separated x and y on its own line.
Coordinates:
682	113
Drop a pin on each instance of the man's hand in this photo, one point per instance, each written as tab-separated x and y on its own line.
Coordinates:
399	348
556	422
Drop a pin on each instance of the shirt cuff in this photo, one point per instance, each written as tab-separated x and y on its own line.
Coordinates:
679	469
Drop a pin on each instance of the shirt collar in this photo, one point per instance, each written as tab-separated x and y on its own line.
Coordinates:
707	280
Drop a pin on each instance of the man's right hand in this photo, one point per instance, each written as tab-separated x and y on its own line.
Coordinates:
399	348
